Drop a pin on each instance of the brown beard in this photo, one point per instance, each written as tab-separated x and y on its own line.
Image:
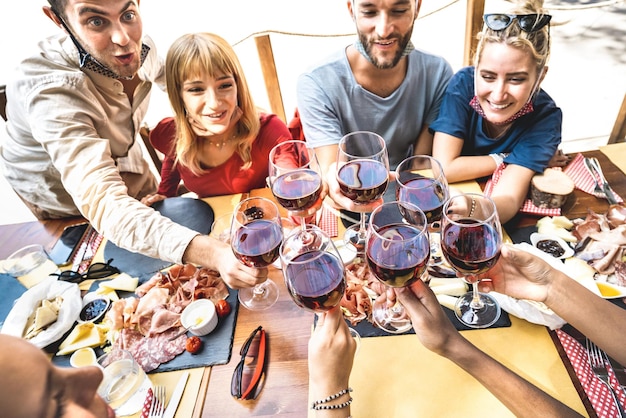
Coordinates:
374	60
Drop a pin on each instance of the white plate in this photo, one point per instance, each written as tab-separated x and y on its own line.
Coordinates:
26	304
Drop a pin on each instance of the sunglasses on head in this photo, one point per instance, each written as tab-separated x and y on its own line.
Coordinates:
251	367
95	271
528	23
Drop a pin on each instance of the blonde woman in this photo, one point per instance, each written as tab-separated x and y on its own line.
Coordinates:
495	112
217	142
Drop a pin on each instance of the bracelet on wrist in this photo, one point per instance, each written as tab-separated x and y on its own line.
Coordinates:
323	404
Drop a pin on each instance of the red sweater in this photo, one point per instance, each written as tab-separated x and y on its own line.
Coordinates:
227	178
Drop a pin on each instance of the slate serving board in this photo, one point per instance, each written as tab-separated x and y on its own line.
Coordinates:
10	290
193	213
217	347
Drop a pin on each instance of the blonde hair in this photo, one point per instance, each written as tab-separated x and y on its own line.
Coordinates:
537	43
200	54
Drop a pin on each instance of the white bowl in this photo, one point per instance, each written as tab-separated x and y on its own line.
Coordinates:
25	260
94	307
536	238
199	317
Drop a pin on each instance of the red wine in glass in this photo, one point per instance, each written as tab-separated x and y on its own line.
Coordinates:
297	190
471	249
471	238
316	280
426	193
363	181
258	243
392	268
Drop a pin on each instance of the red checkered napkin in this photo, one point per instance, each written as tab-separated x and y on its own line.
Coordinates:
328	221
583	180
528	206
597	392
145	409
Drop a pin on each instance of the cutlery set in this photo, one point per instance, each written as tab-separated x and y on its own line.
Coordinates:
600	366
157	407
601	185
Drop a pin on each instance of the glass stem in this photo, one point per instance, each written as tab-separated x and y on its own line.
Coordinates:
476	302
258	290
362	227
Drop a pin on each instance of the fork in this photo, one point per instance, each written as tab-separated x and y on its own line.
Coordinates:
598	362
158	402
603	185
592	171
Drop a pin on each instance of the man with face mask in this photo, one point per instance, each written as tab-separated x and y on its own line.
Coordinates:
381	83
74	109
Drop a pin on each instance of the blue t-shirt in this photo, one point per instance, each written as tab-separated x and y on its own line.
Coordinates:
531	141
332	104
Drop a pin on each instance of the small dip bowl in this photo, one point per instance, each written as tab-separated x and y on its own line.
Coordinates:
94	307
199	317
552	245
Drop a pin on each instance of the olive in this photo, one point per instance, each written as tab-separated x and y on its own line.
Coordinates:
551	247
92	310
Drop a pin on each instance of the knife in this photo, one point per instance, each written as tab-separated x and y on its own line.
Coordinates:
176	396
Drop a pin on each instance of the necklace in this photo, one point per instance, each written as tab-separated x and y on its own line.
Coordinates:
221	143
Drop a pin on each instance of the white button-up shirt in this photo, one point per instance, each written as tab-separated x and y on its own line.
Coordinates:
71	148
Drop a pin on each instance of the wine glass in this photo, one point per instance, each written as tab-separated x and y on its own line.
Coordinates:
363	176
294	178
314	271
397	253
255	237
471	238
420	180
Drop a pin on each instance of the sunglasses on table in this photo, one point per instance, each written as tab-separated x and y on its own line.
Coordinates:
528	23
251	367
95	271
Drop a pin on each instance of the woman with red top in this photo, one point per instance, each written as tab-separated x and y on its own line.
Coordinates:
217	143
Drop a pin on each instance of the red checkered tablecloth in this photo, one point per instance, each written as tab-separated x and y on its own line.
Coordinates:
599	395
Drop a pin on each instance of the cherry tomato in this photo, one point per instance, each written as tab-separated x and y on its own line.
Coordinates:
193	344
222	307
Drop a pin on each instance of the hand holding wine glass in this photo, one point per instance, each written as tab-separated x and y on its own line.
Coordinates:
255	237
313	270
471	238
294	178
397	252
363	176
420	180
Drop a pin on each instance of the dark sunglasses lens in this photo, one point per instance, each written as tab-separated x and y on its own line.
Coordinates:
100	270
70	276
533	22
497	21
249	366
235	383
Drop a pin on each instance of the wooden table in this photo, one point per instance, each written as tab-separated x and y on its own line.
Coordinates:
286	385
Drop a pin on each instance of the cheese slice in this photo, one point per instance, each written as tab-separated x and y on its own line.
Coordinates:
122	282
83	335
109	293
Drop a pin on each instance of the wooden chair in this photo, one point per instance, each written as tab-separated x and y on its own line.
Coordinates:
618	134
473	25
144	132
270	75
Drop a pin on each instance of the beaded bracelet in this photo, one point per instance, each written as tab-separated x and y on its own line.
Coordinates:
317	405
473	208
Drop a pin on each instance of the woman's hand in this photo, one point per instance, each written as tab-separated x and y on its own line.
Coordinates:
331	354
519	274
